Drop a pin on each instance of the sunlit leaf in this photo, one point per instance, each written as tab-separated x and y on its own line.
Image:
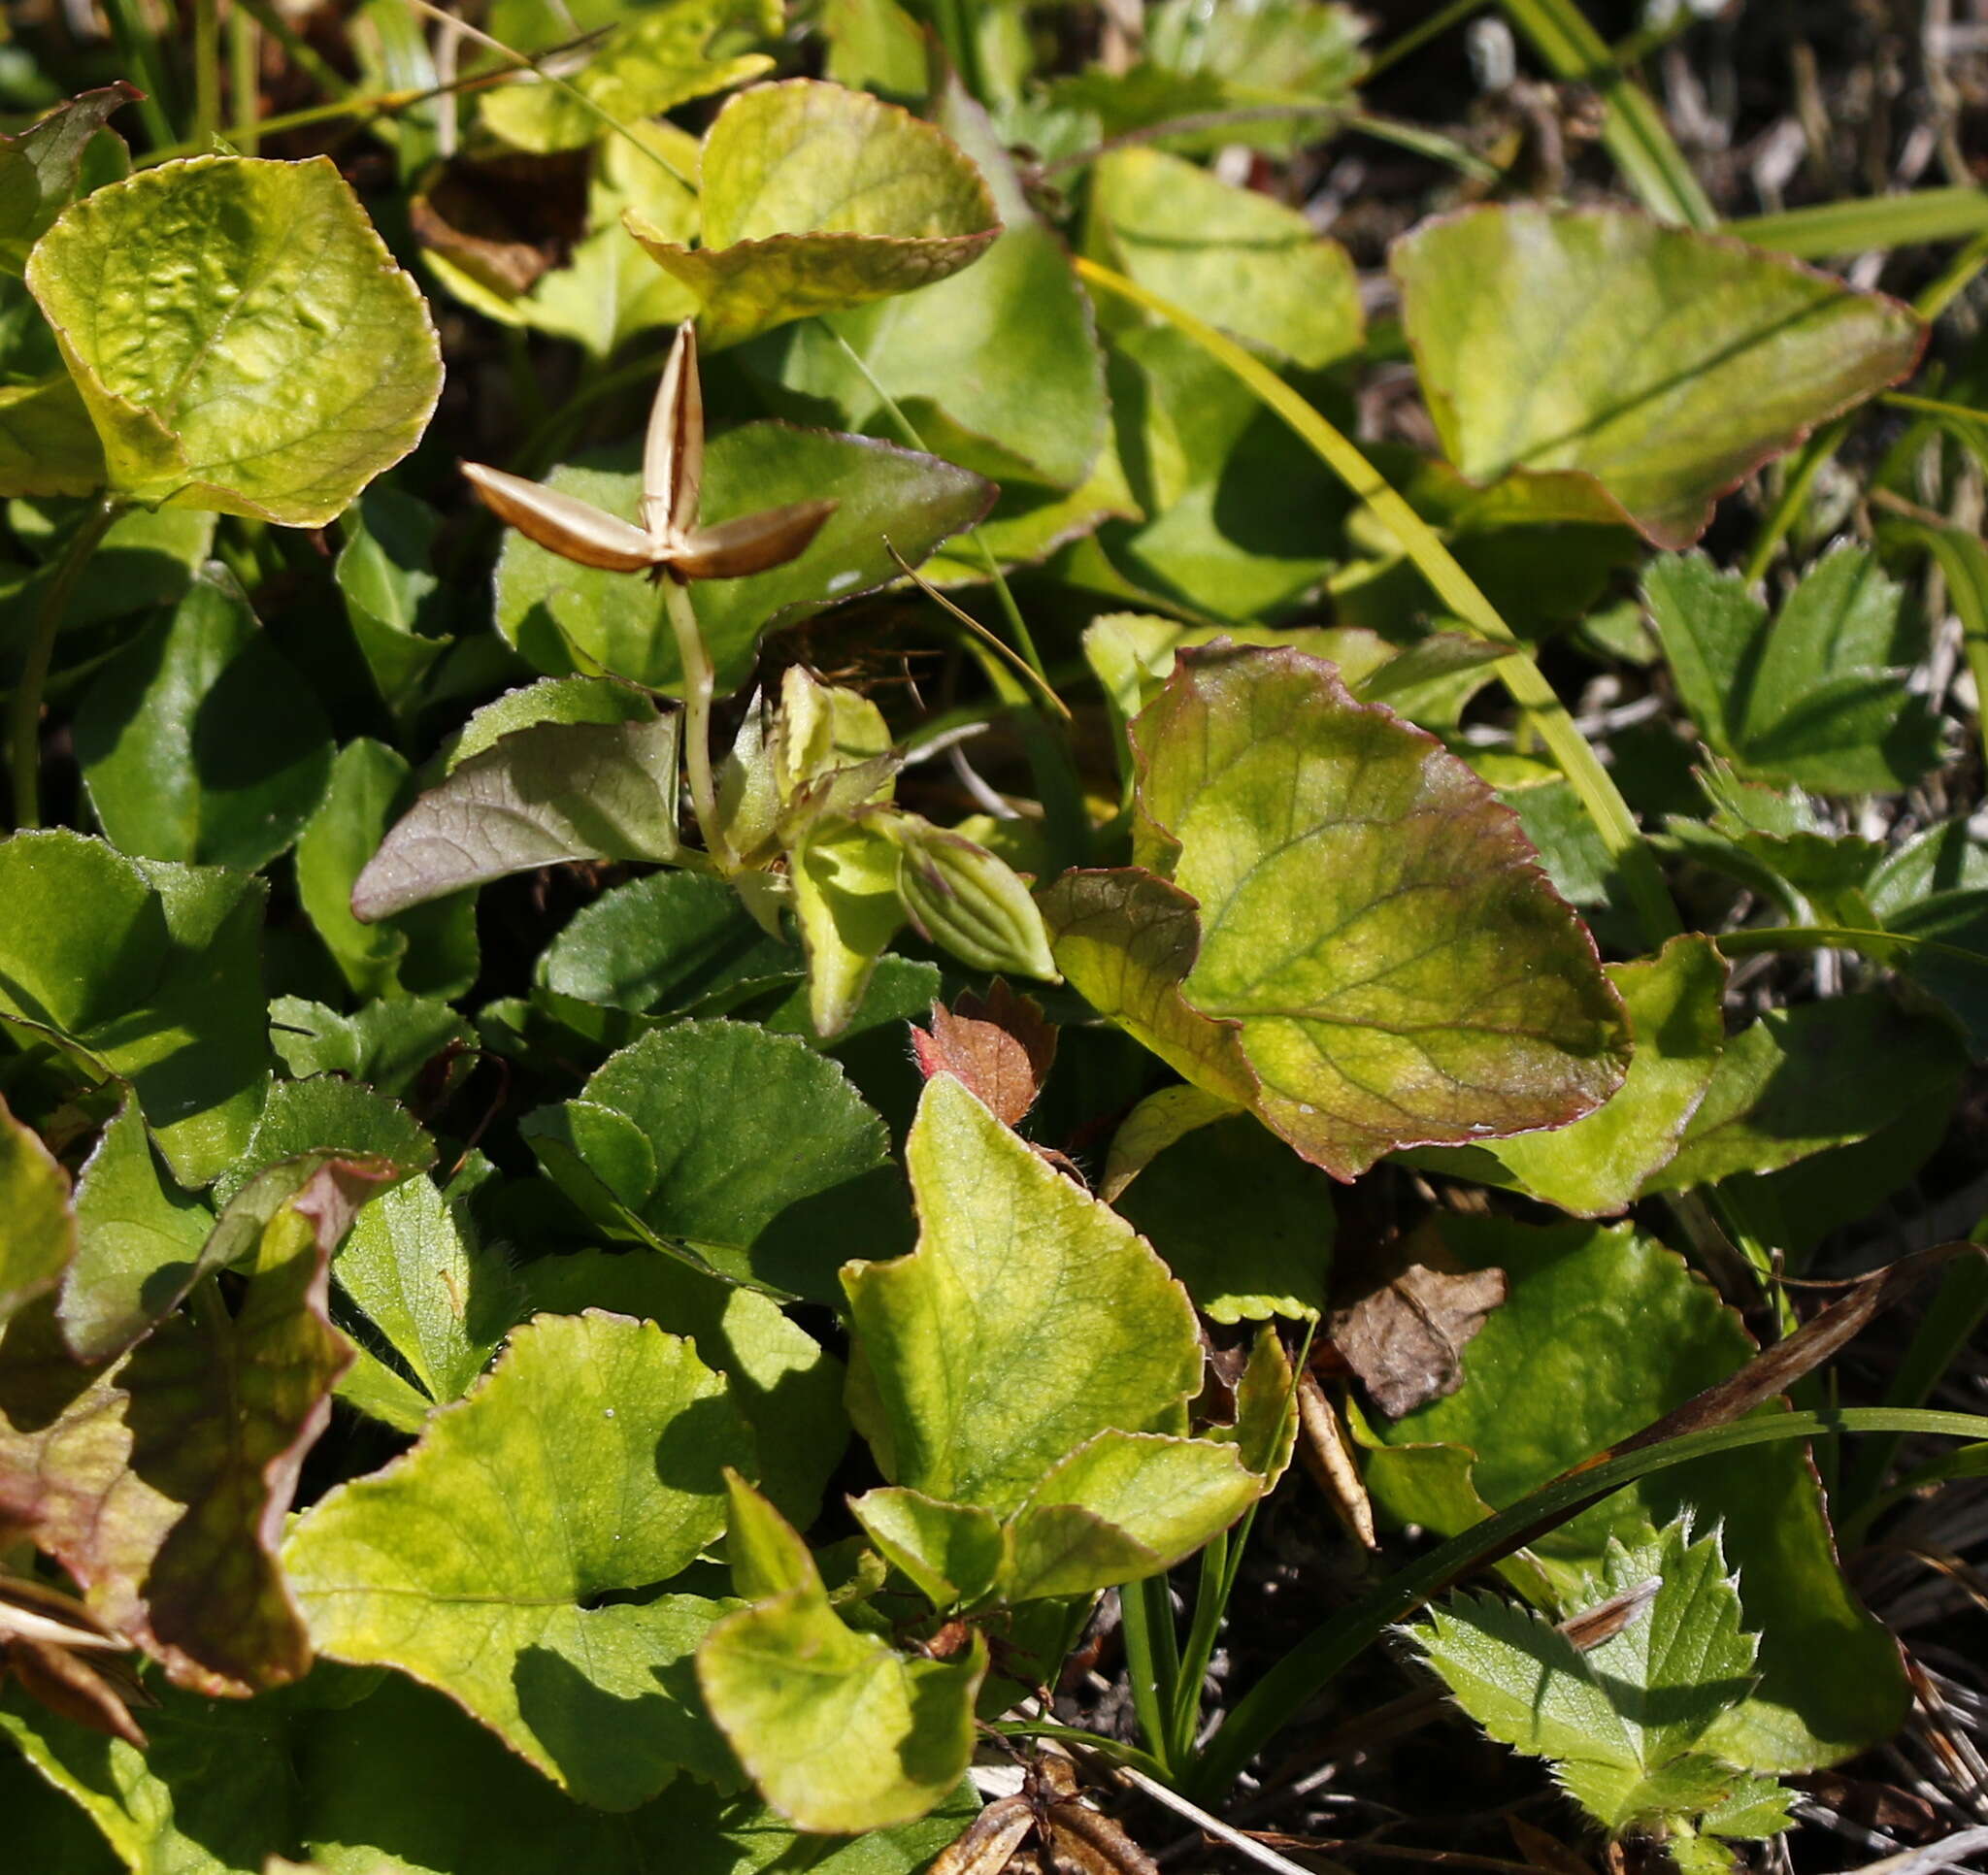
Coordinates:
786	1387
1625	1718
1242	260
997	368
839	1733
653	63
412	1263
1029	1319
241	335
1596	1167
589	1459
816	199
1350	908
1667	364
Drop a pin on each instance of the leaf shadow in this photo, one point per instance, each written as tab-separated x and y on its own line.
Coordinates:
614	1753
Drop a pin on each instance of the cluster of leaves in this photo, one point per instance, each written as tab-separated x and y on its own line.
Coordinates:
500	1311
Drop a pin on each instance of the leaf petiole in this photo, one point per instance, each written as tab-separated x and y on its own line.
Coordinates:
700	682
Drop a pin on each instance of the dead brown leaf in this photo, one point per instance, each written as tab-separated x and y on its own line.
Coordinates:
1403	1329
1068	1837
1000	1045
1546	1852
505	220
1328	1456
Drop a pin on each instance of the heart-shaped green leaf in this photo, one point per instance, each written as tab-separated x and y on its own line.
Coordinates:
1667	364
816	199
746	1149
329	1113
1029	1319
241	337
1351	921
201	743
153	971
591	1460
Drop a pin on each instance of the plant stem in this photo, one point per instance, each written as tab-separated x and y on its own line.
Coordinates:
1416	37
298	50
1211	1603
24	713
1521	677
137	49
700	681
207	71
245	60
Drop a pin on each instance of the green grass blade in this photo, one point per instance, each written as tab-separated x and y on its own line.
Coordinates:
1875	222
1634	132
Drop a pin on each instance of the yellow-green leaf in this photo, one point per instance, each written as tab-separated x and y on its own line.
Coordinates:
241	335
